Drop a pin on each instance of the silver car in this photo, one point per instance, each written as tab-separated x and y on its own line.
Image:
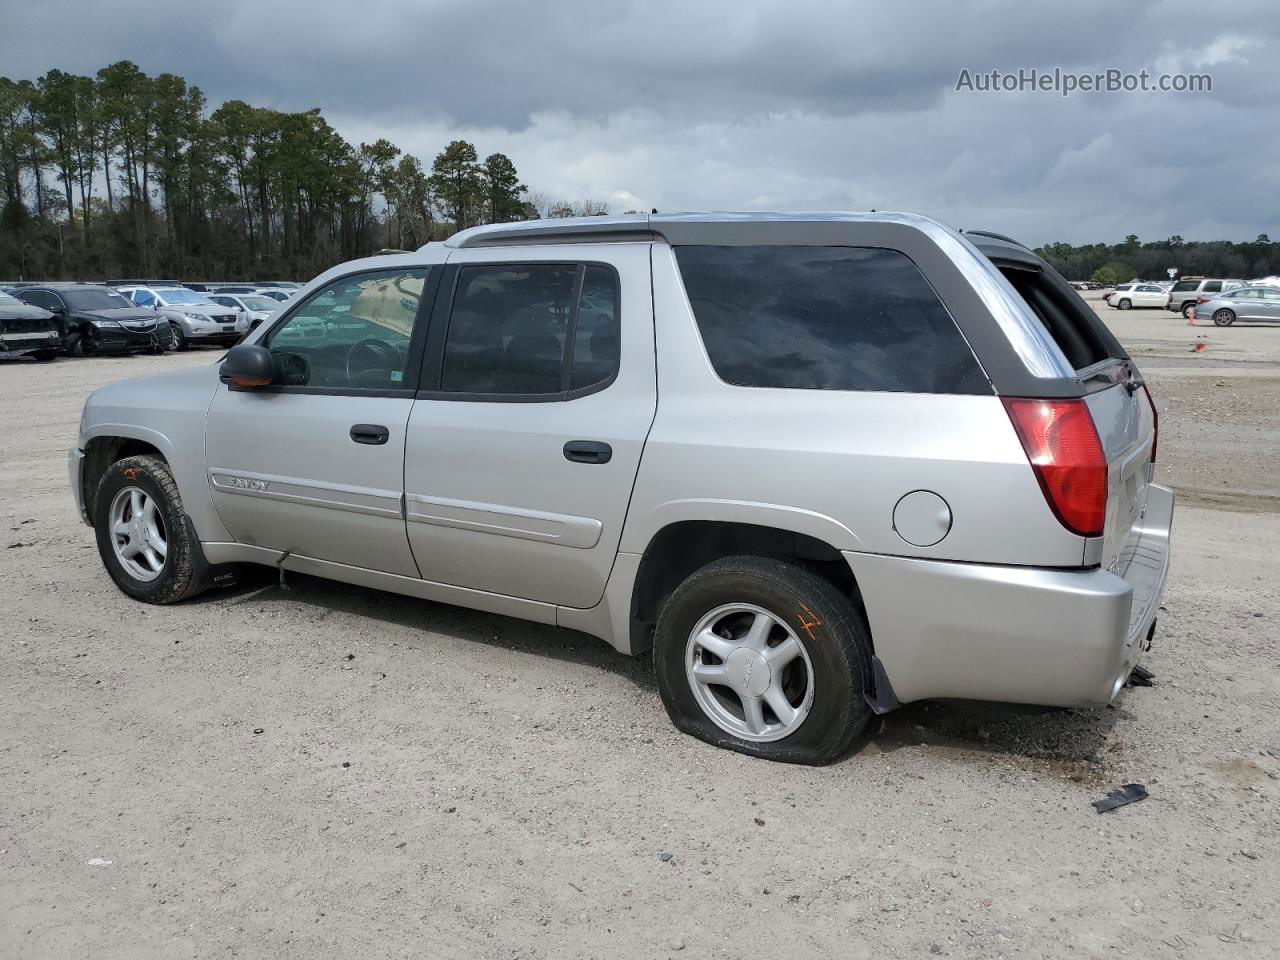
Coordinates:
821	464
1249	304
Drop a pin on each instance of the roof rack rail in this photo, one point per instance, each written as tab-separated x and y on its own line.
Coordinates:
995	236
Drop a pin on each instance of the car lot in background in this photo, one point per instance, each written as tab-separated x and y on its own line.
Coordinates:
93	318
1244	304
195	318
27	330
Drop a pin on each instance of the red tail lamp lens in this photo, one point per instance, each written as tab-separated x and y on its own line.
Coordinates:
1062	443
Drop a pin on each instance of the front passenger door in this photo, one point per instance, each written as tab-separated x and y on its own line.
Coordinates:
314	463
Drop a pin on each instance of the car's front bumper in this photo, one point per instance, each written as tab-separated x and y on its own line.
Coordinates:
112	339
20	344
1018	634
75	467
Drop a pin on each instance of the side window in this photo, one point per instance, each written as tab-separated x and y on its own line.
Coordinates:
825	318
1246	294
40	298
1212	286
541	329
1269	294
144	298
352	334
224	302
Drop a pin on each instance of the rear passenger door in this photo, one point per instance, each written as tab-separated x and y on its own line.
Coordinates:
537	395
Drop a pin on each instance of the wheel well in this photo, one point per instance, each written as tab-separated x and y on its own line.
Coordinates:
678	550
100	453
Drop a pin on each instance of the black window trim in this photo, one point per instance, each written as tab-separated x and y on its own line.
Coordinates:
417	340
442	316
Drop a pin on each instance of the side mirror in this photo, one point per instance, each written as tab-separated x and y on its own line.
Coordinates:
247	365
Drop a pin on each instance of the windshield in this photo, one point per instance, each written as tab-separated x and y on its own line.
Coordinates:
260	303
182	295
103	299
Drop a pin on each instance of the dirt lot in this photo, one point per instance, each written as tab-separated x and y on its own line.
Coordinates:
434	782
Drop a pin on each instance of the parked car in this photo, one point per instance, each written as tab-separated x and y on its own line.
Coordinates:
1183	295
1253	304
1138	295
255	307
882	461
92	318
280	295
195	318
1118	288
27	330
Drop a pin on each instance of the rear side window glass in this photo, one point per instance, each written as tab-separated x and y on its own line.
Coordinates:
1213	286
1073	326
1184	285
539	330
825	318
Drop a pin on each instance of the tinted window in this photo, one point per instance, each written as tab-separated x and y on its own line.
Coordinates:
825	318
40	298
532	329
1183	285
101	299
1213	286
1124	286
352	333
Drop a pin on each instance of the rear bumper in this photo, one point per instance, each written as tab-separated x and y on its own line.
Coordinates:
1018	634
19	344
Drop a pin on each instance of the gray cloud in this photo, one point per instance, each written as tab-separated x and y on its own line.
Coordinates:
728	105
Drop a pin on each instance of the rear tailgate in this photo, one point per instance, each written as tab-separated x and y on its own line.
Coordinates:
1126	427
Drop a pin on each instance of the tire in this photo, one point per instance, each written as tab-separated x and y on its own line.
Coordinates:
180	338
1223	317
1124	304
176	575
1187	308
75	345
825	682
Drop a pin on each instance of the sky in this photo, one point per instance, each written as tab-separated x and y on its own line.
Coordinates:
717	105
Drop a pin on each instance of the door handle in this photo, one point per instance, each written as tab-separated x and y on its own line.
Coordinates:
588	451
371	433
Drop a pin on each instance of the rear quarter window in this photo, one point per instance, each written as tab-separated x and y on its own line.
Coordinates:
825	318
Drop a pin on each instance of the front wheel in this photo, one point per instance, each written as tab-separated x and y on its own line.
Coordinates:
1125	304
179	339
766	658
143	537
1223	318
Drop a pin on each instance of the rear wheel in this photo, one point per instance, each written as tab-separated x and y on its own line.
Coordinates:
1187	308
765	658
76	345
1125	304
143	537
1223	318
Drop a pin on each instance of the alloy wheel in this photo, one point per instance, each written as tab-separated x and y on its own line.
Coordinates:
138	534
749	672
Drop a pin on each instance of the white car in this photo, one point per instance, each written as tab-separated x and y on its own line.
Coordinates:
1138	295
252	305
194	317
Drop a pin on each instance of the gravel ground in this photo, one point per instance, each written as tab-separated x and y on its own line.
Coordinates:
326	771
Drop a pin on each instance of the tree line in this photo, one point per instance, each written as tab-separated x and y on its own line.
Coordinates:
1132	259
125	174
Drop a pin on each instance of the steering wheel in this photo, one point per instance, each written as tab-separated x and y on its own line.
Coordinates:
382	354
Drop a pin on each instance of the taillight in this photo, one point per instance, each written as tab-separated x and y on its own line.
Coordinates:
1062	443
1202	299
1155	422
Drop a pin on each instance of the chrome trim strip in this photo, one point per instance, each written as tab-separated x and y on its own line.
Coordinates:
582	533
369	501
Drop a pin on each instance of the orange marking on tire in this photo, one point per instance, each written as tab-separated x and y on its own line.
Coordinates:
808	625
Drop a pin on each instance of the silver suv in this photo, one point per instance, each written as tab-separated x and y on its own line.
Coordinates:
820	464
